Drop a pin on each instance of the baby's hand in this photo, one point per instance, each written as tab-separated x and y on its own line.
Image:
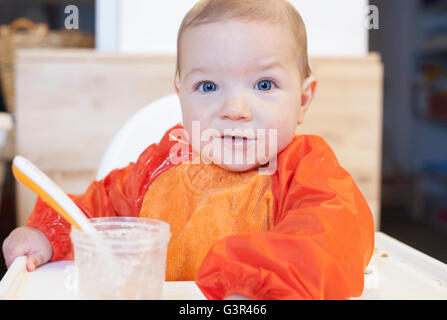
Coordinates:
30	242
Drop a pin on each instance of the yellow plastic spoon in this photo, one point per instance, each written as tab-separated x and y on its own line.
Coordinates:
28	174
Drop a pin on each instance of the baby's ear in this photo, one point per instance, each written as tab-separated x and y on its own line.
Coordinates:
177	86
307	94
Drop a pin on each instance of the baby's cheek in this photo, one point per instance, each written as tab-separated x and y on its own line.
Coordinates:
284	137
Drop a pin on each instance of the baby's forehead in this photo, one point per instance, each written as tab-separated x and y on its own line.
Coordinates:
258	34
234	43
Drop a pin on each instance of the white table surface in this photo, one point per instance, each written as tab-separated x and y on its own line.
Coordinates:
396	271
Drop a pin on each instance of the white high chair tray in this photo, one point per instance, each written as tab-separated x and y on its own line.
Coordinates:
396	271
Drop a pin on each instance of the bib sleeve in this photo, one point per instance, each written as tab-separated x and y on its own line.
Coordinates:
321	242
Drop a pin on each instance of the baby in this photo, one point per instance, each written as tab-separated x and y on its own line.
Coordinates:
285	223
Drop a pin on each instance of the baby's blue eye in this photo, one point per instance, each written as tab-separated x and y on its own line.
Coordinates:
207	86
265	85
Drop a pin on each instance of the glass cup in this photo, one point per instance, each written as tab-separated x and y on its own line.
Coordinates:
129	263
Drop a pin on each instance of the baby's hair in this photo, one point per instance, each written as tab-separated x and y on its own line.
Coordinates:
274	11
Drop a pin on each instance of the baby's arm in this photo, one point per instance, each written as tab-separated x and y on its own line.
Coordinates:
321	243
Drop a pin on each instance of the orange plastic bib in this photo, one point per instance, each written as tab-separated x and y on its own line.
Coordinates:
204	203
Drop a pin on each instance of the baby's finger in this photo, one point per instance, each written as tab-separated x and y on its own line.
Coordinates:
35	260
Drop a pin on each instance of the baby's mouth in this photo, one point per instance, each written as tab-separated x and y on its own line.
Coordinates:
239	142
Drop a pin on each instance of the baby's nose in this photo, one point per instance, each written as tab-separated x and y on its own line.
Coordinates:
235	109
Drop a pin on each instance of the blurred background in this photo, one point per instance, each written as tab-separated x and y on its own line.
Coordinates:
381	104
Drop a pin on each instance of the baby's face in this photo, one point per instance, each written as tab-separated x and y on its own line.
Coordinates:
238	75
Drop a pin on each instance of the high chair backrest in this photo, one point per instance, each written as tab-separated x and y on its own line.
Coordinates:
144	128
